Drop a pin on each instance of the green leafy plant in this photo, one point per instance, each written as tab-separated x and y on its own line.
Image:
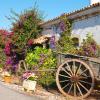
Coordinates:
32	78
2	58
98	50
42	59
65	43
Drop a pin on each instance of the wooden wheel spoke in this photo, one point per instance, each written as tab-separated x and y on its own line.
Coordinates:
84	82
74	68
64	81
83	72
64	75
65	86
83	86
84	77
75	89
69	68
70	88
66	71
78	68
79	89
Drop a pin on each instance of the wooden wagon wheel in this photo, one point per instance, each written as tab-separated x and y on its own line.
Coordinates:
75	79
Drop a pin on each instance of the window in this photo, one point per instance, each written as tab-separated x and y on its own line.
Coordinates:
76	41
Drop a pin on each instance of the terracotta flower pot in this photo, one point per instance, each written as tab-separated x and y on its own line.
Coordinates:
7	79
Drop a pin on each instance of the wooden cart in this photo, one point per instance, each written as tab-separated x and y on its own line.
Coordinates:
77	76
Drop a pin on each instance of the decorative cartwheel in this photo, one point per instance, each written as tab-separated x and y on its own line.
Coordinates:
77	76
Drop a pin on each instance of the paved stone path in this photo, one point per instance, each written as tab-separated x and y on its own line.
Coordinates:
15	92
9	94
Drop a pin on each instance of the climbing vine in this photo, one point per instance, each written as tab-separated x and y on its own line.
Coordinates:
65	43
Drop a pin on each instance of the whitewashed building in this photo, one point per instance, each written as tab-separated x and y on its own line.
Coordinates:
85	20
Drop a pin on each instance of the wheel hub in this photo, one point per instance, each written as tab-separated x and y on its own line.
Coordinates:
74	79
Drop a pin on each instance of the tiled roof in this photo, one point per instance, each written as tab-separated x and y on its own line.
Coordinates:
41	39
72	13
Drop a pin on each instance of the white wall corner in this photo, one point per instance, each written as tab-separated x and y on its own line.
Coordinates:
94	1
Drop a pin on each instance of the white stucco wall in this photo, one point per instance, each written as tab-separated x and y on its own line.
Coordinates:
94	1
82	27
52	30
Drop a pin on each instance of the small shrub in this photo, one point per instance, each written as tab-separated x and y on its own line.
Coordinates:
65	43
2	58
42	59
89	47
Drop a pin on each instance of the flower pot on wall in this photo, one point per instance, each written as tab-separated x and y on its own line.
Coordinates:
29	85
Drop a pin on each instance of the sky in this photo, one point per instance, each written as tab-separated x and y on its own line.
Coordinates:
50	8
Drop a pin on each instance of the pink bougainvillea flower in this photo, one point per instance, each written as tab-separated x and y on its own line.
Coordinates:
26	74
7	48
30	42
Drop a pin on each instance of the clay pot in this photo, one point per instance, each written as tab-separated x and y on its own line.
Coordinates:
7	79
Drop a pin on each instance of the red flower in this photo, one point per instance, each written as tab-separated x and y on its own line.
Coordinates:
30	42
7	48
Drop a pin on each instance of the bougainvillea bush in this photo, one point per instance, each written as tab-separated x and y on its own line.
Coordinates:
89	47
5	40
5	37
42	59
9	59
26	26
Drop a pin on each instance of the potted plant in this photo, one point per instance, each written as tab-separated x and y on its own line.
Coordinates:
30	81
7	77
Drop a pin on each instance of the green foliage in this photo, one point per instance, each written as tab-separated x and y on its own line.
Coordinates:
42	59
26	26
89	47
47	78
67	24
98	50
65	43
32	78
2	58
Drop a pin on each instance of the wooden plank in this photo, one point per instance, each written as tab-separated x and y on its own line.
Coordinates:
44	70
96	60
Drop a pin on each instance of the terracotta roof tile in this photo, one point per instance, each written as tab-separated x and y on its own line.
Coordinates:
41	39
74	12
